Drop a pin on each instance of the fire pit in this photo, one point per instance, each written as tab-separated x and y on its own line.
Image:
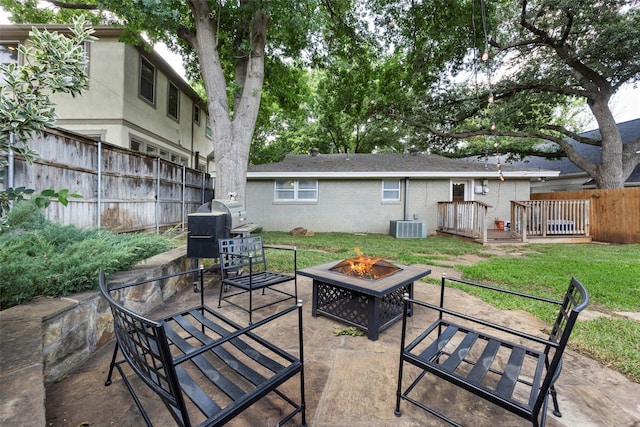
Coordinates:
365	267
365	292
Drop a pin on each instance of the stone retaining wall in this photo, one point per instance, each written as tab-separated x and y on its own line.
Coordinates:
42	341
74	333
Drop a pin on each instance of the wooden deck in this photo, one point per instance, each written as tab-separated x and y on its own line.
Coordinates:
500	237
540	221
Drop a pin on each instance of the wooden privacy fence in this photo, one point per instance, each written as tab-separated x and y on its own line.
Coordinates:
614	214
121	190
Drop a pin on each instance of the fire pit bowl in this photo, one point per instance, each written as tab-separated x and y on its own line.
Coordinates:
368	304
367	267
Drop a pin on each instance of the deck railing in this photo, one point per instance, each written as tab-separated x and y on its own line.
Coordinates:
529	218
464	218
549	218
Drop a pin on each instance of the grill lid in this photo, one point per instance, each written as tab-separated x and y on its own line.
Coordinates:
234	211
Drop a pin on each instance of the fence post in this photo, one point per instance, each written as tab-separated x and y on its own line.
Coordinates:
99	189
202	188
184	196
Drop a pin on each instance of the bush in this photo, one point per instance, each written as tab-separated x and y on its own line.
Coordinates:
41	258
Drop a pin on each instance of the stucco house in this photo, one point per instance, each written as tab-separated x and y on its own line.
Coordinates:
369	192
134	100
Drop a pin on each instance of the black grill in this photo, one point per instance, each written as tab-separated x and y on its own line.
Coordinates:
217	219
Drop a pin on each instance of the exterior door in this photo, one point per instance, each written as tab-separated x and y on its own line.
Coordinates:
458	191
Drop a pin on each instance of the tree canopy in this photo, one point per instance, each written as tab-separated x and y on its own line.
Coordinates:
542	58
283	76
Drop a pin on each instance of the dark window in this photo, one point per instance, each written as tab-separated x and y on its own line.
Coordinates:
196	114
136	145
147	80
173	101
458	192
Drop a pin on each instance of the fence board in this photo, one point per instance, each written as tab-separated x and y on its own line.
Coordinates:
138	192
614	214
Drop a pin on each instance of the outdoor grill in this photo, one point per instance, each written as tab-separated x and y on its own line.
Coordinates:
217	219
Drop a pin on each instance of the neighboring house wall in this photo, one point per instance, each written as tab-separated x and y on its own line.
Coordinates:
356	205
566	182
112	110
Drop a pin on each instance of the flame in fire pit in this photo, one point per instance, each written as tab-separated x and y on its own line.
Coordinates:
366	267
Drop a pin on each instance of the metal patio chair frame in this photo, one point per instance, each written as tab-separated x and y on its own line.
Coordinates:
243	266
205	368
446	350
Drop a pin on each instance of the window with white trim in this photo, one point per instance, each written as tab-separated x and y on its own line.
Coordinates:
391	191
305	191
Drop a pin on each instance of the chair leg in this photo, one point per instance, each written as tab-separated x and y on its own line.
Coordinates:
111	366
556	408
220	297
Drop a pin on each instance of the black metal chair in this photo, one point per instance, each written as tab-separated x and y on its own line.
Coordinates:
205	368
473	359
243	266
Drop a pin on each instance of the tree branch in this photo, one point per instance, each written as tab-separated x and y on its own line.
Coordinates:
187	36
564	145
79	6
574	136
586	75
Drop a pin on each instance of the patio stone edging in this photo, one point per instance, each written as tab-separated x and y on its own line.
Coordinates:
44	340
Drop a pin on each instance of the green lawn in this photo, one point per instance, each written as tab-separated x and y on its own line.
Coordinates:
611	274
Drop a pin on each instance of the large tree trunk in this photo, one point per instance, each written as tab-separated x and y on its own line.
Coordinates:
231	136
609	173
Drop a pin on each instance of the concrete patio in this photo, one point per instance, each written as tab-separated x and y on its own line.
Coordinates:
350	380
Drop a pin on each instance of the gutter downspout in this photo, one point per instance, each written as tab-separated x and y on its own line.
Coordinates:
405	208
10	160
158	198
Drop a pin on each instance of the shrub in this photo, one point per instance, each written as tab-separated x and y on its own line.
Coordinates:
41	258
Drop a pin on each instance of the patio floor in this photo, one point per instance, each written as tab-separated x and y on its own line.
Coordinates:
351	381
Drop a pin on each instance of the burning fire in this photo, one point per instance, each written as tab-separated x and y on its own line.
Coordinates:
364	266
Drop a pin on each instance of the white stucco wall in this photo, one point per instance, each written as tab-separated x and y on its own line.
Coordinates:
112	110
356	206
105	96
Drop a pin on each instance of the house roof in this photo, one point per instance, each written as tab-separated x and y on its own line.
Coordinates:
629	132
417	165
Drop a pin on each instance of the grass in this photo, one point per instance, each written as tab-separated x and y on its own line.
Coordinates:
609	272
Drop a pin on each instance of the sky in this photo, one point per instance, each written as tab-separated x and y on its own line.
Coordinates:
625	104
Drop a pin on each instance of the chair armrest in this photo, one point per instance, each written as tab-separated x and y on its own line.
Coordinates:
441	310
281	247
